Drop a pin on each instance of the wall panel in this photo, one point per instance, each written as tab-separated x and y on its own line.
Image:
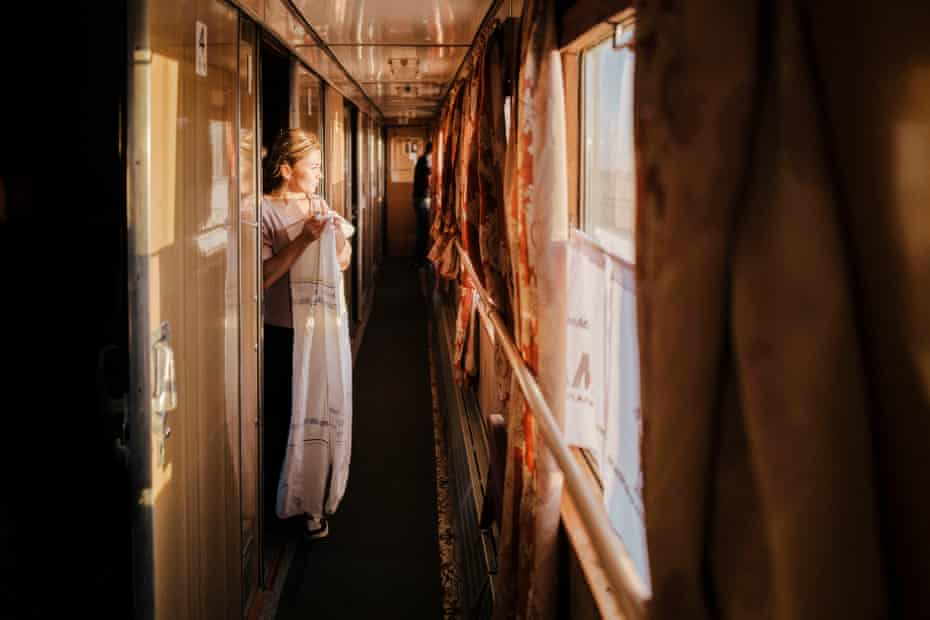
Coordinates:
192	249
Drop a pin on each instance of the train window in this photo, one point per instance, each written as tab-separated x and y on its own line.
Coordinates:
607	199
608	166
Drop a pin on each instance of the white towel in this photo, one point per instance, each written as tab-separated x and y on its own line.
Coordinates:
316	464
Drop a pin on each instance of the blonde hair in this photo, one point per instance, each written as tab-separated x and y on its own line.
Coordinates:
290	147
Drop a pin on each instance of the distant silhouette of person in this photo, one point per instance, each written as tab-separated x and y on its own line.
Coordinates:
421	204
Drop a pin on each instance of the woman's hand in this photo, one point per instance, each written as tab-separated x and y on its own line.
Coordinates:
344	254
313	227
343	248
323	213
274	268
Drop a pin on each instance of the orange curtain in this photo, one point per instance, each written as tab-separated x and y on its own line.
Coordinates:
445	226
470	207
468	215
491	154
537	217
495	257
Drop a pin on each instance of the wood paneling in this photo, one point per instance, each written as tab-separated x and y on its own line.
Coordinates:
193	254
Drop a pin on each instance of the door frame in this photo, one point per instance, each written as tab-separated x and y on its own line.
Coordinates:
139	197
353	188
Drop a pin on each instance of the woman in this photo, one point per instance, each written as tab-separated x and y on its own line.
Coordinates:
292	175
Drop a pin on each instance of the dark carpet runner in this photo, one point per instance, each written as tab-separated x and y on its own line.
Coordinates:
381	558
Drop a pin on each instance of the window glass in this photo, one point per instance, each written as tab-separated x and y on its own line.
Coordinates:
308	106
609	172
608	205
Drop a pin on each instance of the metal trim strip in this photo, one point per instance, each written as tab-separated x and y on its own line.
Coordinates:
138	204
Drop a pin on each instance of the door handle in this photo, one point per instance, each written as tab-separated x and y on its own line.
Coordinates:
164	388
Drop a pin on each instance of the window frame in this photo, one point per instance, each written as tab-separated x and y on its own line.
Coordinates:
573	53
573	69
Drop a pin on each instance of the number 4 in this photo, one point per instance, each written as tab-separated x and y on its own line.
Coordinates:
200	49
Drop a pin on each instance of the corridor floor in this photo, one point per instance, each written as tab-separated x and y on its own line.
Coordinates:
381	558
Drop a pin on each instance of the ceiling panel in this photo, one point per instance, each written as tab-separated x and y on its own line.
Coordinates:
368	63
279	17
402	53
396	22
290	29
323	64
409	112
426	91
319	60
394	107
402	79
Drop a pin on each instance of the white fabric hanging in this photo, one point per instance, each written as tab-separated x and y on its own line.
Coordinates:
602	406
585	347
319	445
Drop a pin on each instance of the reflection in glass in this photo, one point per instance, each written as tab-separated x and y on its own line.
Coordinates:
609	166
308	112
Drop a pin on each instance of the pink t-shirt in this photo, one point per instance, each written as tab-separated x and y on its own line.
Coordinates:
277	217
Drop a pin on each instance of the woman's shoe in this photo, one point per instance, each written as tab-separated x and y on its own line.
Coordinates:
316	529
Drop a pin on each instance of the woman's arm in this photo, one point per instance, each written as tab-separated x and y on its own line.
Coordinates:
274	268
343	247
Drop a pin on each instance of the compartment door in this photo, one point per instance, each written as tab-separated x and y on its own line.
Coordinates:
183	231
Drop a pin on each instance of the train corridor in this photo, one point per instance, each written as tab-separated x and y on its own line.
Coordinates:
381	558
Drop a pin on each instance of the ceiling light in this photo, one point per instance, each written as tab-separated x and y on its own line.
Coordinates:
406	68
405	90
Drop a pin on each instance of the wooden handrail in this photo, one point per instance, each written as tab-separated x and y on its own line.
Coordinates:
629	589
